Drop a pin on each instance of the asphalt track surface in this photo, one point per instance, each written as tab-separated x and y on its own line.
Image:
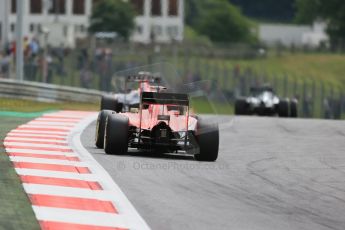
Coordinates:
271	174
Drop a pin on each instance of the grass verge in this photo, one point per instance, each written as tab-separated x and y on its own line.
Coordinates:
7	104
15	208
201	106
328	68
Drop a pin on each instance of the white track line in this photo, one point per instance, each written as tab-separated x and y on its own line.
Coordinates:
69	116
69	192
20	138
50	124
19	134
48	133
134	219
63	129
65	116
29	151
80	217
56	120
48	161
35	145
56	174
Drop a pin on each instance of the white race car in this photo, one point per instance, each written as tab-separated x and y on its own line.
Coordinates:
264	102
122	102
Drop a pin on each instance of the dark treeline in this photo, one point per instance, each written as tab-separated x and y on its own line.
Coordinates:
267	10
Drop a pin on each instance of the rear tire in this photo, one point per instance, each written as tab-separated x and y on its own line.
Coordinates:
241	107
207	139
283	108
110	103
293	108
116	135
100	127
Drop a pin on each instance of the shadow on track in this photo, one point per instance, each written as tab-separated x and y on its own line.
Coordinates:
148	154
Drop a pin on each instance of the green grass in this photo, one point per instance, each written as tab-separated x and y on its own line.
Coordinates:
328	68
15	208
204	106
34	106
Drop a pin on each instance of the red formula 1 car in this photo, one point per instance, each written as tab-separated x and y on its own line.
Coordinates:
162	123
122	102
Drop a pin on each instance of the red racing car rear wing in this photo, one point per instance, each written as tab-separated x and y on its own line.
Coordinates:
164	98
172	99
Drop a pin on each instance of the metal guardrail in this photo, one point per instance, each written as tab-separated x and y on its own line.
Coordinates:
46	92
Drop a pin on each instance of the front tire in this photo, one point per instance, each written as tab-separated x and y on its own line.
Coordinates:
116	135
110	103
283	108
100	127
241	107
207	139
293	109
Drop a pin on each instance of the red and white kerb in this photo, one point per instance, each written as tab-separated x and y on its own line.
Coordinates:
66	188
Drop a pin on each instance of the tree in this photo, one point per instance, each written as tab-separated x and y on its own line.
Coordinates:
330	11
307	11
267	10
113	16
223	22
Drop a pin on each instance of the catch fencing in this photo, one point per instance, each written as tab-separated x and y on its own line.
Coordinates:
93	67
